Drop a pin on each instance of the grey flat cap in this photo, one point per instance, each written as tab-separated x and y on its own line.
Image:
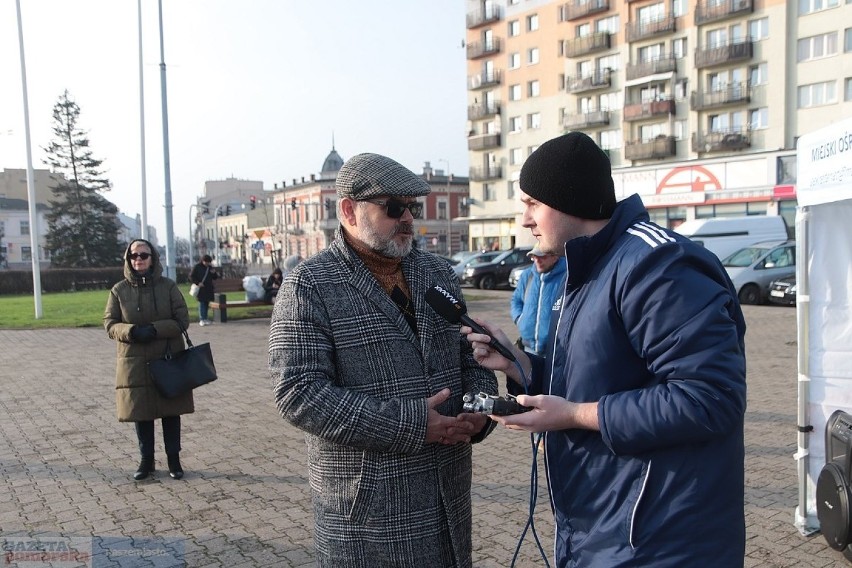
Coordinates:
369	175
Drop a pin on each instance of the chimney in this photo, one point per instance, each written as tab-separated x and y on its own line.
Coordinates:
313	177
427	169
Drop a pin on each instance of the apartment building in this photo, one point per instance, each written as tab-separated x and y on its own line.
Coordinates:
698	103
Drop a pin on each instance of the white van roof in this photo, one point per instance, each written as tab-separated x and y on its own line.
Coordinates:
731	226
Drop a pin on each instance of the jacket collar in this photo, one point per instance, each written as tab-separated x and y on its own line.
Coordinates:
582	253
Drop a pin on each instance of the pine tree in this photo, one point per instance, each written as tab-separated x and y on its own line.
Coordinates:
83	226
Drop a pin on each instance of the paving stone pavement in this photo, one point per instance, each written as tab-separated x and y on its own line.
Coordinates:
66	463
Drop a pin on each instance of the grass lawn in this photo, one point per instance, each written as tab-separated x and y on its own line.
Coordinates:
85	309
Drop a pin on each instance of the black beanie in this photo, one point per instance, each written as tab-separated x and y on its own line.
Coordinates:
571	174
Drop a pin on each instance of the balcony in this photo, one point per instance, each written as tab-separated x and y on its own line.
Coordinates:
732	94
585	45
484	80
649	28
648	109
483	141
662	64
707	12
728	140
476	112
485	15
486	173
578	9
586	119
600	79
478	49
660	147
721	54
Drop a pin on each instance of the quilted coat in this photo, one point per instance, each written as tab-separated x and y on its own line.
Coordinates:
142	299
349	371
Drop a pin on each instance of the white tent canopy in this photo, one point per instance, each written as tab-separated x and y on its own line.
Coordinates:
824	299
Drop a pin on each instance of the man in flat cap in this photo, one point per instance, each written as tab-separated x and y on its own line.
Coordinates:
643	395
375	378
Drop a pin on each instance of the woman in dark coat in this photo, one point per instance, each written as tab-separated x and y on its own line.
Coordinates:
272	284
144	314
203	274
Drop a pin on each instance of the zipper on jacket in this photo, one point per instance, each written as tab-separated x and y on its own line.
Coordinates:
636	506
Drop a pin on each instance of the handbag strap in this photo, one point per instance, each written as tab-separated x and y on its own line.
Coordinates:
185	334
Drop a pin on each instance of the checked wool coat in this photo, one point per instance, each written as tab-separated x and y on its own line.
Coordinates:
349	371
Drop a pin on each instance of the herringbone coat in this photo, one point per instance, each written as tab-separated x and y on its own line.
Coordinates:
349	371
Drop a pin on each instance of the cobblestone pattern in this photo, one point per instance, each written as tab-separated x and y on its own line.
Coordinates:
66	463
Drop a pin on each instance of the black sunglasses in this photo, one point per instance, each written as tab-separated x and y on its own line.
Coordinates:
142	255
396	209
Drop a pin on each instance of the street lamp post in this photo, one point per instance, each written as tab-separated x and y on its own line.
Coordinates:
449	215
191	231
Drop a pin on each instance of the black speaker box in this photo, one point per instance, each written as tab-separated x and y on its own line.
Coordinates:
833	493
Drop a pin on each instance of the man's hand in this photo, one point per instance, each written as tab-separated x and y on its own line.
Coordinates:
486	356
551	413
450	430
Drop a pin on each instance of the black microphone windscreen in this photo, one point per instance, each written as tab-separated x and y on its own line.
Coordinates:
445	304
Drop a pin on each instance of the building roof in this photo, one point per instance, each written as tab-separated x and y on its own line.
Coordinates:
332	164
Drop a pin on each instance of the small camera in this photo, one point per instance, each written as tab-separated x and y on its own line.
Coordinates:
483	403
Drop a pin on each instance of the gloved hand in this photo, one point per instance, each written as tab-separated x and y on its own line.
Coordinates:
143	333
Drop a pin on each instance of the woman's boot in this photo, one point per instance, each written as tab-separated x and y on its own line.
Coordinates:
146	467
175	470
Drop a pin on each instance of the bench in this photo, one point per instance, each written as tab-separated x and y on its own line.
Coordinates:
221	304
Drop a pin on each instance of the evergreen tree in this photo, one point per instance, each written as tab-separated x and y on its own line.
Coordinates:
83	226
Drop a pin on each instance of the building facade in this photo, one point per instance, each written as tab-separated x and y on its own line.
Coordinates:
698	103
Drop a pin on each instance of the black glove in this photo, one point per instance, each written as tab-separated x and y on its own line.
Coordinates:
143	333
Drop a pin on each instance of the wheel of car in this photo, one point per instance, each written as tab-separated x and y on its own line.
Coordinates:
750	294
487	282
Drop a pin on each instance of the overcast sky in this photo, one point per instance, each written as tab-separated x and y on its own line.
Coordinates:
256	88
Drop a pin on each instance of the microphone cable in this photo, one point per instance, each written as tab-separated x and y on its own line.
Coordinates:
535	440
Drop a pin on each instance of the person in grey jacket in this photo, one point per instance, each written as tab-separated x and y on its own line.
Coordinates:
375	378
144	314
643	395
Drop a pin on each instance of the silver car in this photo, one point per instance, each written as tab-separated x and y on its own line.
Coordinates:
752	269
473	260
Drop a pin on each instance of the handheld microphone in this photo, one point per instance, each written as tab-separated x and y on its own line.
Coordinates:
454	311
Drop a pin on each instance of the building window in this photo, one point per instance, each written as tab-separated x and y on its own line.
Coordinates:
516	156
609	62
679	8
26	254
532	23
533	88
515	93
442	210
680	89
759	118
679	47
817	47
511	188
810	6
650	52
514	60
758	74
488	193
583	30
608	25
847	89
817	94
534	121
514	28
611	139
25	228
758	29
847	40
532	149
532	56
515	124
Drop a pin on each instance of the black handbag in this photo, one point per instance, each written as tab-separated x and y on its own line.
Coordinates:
178	373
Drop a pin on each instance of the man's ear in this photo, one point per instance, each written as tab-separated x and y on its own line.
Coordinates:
347	211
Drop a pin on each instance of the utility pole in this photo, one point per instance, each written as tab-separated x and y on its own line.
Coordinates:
449	215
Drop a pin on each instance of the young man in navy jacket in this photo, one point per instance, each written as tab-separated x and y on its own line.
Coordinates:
644	396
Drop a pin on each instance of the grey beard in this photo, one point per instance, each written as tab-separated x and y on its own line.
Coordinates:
389	248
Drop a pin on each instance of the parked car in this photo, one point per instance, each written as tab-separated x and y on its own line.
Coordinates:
753	268
489	275
783	291
515	275
476	258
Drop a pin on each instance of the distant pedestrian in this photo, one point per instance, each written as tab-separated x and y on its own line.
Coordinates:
538	288
272	284
203	274
145	313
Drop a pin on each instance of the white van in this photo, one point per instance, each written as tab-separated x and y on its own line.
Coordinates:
725	235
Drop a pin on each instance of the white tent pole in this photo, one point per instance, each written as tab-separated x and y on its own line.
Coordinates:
803	522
